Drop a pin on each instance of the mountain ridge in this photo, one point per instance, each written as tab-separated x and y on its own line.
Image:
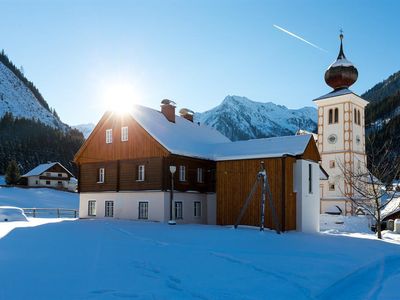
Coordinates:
240	118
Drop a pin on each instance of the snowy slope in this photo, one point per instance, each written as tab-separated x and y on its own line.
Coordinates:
16	98
38	197
239	118
86	129
115	259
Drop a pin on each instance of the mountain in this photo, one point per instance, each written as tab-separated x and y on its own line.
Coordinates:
384	89
86	129
240	118
21	98
30	131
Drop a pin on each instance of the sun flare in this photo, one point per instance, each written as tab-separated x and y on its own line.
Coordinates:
119	97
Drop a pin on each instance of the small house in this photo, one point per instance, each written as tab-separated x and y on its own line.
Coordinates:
51	174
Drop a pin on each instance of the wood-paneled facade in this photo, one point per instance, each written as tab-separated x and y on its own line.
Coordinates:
120	160
235	179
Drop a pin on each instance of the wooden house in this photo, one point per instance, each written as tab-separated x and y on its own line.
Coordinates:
124	172
52	174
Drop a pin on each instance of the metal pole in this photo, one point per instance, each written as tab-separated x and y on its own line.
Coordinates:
171	200
263	189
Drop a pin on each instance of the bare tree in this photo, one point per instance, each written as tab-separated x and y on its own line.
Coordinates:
368	182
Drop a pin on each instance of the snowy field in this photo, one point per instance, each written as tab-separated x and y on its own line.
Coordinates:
113	259
37	197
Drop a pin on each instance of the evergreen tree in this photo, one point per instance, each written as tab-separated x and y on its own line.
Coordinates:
12	173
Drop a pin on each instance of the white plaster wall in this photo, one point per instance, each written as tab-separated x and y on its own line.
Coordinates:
307	204
126	205
212	209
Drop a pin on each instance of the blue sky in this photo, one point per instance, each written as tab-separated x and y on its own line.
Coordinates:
78	53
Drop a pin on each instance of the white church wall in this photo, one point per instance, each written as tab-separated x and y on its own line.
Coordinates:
307	204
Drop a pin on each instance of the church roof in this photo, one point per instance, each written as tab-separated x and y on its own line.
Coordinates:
335	93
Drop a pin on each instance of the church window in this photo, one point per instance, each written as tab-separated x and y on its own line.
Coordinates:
332	164
330	121
336	115
359	117
355	116
331	186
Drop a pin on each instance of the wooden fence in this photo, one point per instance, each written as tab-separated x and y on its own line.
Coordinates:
51	212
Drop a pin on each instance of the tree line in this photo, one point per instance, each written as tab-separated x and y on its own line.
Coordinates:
31	143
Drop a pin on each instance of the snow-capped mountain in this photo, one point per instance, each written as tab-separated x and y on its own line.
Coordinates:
240	118
86	129
18	99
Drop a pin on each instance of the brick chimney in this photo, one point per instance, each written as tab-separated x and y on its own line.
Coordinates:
168	109
187	114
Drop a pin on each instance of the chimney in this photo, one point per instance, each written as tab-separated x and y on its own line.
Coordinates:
168	109
187	114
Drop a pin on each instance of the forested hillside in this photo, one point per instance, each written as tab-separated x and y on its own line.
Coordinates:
31	143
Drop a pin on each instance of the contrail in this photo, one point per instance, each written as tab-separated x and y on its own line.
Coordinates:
298	37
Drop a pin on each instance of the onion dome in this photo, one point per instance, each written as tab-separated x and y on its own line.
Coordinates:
342	73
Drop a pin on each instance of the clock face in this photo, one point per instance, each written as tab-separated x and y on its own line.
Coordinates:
358	140
332	138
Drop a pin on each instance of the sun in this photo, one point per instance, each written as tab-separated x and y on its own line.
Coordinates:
119	97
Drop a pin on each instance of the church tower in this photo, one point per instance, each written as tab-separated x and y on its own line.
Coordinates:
341	134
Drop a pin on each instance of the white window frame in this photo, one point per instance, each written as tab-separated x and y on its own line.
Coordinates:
197	209
124	134
109	137
182	173
109	209
200	175
92	208
143	213
102	175
178	210
141	173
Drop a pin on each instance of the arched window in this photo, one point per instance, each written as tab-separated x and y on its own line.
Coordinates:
355	116
330	116
359	117
336	115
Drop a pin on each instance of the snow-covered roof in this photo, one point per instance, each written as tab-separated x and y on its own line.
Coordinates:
269	147
391	208
191	139
335	93
42	168
182	137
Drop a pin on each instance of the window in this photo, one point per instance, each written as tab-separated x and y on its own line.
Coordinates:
143	210
355	116
59	182
178	210
101	175
109	209
359	117
48	182
330	121
59	175
331	186
200	175
182	173
197	209
37	181
92	208
124	134
48	174
309	178
108	136
336	115
332	164
140	174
